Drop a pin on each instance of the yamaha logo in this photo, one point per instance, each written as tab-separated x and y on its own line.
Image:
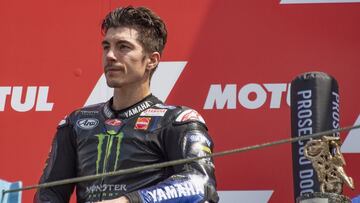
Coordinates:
87	123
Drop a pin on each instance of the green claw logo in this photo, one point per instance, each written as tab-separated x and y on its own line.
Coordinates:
109	139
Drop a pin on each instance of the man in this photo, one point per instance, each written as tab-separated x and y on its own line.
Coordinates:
132	129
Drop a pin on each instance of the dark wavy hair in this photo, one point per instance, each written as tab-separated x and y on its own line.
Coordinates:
151	28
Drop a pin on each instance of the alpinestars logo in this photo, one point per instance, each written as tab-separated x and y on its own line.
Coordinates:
107	141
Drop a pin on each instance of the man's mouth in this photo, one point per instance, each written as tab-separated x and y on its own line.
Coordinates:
112	68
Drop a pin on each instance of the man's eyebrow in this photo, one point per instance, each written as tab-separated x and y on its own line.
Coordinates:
104	42
122	41
119	41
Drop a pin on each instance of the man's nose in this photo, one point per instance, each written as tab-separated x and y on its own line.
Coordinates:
110	55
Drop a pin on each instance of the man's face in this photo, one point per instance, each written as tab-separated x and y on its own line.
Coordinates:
124	59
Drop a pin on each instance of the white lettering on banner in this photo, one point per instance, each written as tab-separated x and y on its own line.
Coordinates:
288	95
246	91
4	91
42	103
306	173
276	94
220	98
304	126
217	98
335	111
316	1
23	105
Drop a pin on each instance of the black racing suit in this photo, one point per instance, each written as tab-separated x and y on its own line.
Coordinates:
97	139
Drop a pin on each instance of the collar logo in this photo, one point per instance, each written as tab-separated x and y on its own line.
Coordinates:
137	109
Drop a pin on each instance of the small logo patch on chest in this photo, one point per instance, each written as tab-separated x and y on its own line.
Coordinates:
113	122
142	123
87	123
153	112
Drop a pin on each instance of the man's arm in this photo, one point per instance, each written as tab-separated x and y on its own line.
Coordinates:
194	182
61	164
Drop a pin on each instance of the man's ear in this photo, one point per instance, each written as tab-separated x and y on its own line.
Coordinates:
153	60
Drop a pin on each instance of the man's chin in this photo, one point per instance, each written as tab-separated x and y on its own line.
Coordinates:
113	84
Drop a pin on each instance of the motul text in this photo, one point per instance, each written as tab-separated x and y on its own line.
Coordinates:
217	96
34	97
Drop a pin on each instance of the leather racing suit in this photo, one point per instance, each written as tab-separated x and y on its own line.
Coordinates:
97	139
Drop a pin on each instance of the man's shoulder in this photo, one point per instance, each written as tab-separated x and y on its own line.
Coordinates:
178	114
187	114
89	111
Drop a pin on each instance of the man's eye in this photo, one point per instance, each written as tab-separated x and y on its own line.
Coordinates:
123	46
105	47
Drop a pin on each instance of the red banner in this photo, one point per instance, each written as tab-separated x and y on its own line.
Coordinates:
231	60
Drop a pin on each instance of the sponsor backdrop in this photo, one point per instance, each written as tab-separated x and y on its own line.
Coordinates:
231	60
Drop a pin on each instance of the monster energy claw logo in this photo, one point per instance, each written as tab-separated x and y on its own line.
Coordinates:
107	140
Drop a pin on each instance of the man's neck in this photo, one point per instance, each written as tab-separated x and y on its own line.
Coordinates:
125	97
